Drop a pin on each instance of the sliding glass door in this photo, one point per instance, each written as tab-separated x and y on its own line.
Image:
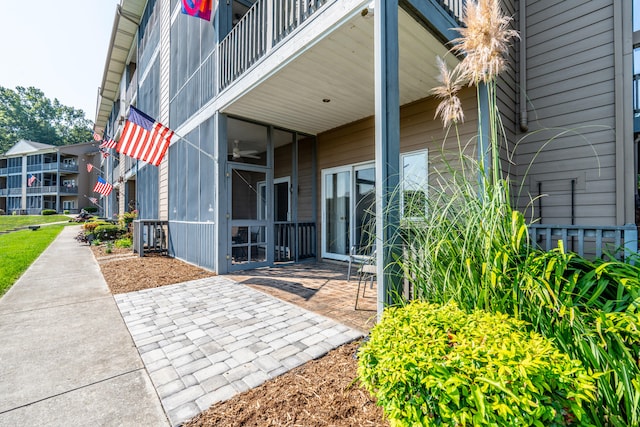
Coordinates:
348	210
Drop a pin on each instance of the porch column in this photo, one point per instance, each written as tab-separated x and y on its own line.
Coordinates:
387	149
221	198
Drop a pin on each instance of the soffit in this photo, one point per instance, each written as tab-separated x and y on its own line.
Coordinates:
340	67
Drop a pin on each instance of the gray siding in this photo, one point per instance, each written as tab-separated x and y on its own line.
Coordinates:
570	90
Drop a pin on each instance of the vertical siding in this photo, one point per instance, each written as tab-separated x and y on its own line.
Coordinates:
165	44
570	87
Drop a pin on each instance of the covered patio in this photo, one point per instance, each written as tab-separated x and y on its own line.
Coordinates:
321	287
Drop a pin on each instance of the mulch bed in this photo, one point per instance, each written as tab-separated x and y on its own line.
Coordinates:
322	392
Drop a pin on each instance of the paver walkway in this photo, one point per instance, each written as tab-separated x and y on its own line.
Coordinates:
206	340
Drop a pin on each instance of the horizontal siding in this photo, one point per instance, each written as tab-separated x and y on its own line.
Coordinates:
570	90
355	143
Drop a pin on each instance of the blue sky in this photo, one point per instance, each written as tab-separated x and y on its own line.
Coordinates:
58	46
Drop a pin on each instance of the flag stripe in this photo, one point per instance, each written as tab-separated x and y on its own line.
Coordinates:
143	138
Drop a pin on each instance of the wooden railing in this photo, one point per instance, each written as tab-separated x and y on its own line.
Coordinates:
150	235
267	23
454	7
260	29
287	247
589	241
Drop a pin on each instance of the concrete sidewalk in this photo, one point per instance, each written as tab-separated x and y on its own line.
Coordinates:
67	357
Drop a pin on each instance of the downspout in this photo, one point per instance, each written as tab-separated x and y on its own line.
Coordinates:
524	122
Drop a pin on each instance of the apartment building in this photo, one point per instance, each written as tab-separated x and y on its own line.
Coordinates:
36	176
293	114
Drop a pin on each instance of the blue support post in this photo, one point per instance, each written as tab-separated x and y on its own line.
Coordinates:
222	196
387	150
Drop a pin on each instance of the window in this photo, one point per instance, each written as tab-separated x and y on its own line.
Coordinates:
414	183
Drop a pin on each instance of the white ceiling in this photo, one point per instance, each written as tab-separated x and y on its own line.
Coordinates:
340	67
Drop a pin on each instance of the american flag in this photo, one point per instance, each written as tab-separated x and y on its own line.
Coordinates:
108	143
102	187
89	167
104	152
93	200
31	180
97	136
143	138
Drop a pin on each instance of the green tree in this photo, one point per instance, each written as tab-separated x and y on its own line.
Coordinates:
26	113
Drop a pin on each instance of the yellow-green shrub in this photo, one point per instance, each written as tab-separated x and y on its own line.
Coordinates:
90	226
432	365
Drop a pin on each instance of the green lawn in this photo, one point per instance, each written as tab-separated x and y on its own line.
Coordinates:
8	222
19	249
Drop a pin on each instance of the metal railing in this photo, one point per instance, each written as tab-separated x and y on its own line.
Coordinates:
587	241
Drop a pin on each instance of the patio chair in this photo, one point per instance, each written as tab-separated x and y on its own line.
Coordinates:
367	272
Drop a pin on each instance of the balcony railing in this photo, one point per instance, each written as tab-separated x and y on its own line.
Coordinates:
267	23
69	167
52	189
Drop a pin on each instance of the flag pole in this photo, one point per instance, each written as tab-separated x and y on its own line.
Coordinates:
98	205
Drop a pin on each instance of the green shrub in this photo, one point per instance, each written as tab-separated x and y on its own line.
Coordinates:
66	211
91	209
123	243
90	226
431	365
108	232
48	212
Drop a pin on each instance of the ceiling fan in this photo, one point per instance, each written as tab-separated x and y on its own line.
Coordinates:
238	153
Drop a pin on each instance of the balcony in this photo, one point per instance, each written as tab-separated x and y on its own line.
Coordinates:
267	23
68	167
52	189
309	66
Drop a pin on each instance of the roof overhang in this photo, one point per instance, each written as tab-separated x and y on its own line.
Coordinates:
332	82
123	34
